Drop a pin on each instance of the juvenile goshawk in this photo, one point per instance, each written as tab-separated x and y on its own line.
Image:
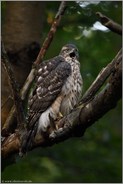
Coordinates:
58	87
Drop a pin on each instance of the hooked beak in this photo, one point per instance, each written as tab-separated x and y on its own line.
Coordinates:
74	53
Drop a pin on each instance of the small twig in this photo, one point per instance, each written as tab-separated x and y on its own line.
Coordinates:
113	26
15	89
99	81
40	56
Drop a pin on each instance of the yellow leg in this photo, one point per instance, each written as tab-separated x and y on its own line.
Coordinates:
60	115
56	127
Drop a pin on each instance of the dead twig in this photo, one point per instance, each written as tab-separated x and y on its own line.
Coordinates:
113	26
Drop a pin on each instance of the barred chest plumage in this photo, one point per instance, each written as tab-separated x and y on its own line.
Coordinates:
56	91
72	88
68	97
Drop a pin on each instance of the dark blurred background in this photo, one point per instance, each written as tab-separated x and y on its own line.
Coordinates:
96	157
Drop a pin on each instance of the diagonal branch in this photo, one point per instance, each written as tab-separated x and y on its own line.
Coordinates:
14	86
99	81
51	33
113	26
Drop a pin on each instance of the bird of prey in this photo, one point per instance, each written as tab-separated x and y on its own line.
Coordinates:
58	87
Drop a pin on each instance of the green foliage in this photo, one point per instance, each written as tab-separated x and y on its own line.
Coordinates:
96	157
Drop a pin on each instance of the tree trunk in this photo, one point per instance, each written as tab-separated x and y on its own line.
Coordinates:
21	34
22	23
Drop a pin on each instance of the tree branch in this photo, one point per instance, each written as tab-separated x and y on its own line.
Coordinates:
106	99
99	81
113	26
40	56
51	33
82	116
15	90
86	114
5	102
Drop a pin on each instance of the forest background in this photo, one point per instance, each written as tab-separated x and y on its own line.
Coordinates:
97	156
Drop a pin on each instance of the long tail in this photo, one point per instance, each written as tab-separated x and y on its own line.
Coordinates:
28	139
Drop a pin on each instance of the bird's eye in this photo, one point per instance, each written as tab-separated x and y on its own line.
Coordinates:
66	50
72	54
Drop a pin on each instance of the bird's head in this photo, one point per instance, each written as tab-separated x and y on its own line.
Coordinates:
69	50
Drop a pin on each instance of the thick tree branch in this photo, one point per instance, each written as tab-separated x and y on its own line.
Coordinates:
113	26
105	100
32	74
81	117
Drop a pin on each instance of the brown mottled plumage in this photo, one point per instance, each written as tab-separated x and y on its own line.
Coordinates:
58	89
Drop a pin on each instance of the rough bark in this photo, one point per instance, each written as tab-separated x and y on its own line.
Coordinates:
113	26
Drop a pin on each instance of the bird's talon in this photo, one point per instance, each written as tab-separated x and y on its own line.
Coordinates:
52	135
55	133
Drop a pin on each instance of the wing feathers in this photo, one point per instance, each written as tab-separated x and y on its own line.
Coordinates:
51	78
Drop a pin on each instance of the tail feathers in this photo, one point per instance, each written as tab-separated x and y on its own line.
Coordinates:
28	140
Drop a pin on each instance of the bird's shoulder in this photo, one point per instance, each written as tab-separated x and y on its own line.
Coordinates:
50	64
54	66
